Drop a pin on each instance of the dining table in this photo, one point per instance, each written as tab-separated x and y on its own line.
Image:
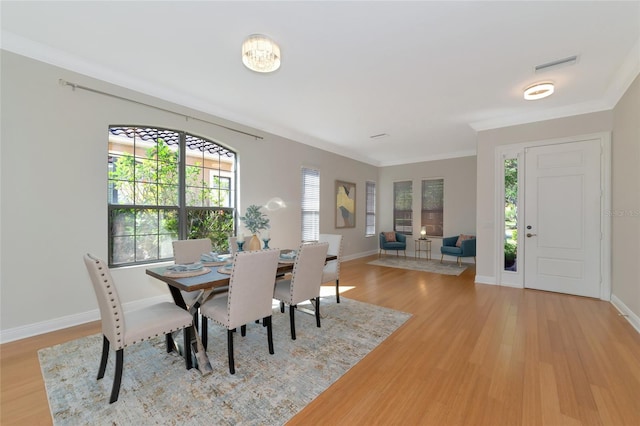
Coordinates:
205	283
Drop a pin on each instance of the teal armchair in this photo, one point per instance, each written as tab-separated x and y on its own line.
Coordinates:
400	243
467	248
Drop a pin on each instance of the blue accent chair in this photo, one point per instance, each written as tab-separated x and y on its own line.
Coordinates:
467	248
399	244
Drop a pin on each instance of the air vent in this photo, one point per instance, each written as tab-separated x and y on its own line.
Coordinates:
379	136
571	60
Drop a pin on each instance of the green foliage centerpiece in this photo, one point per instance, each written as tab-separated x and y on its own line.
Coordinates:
255	221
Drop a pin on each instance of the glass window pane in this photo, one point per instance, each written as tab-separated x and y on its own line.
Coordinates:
122	250
147	247
147	222
510	214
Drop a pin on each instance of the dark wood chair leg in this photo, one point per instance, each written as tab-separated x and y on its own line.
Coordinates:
317	302
117	378
267	321
187	346
281	306
169	340
292	321
104	358
232	367
204	332
338	291
243	330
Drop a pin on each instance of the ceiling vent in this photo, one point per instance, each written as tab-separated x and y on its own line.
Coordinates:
379	136
571	60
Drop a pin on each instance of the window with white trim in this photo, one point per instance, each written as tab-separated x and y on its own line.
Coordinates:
370	214
310	204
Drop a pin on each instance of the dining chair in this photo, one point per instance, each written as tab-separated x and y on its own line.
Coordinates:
121	329
189	251
331	271
249	298
304	282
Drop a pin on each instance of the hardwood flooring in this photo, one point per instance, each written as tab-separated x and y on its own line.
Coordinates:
471	354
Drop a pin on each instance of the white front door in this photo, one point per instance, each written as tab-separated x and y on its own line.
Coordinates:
562	234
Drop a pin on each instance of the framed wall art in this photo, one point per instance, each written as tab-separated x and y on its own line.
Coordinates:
345	204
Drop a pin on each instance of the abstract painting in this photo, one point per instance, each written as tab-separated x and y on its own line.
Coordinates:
345	204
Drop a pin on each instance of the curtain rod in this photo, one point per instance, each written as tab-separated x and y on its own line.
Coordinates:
75	86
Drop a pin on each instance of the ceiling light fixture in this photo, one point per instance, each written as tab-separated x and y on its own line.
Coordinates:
538	91
260	53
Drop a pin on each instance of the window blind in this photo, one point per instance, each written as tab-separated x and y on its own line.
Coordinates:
433	206
310	204
403	207
370	220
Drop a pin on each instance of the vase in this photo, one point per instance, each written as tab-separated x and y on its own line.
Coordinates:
254	243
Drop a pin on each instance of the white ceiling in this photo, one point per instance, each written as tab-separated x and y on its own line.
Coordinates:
429	74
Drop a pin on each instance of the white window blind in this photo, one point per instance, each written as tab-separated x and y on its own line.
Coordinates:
310	205
370	220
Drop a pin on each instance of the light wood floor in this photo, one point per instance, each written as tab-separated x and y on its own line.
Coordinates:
471	354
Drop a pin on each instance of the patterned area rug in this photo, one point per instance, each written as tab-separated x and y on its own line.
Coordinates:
446	268
266	389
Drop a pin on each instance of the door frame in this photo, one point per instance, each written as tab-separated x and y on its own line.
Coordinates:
517	150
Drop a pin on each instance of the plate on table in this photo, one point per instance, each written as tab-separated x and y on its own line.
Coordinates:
186	270
214	259
226	268
287	256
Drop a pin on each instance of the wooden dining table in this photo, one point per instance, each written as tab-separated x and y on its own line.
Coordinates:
205	283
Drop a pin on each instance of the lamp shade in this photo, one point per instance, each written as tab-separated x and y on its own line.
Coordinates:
423	231
260	53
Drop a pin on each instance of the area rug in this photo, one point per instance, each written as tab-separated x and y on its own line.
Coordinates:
446	268
266	389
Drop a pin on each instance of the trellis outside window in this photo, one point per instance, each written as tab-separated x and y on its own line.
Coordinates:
165	185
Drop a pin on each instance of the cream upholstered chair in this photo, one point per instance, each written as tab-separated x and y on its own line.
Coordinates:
331	271
249	297
189	251
304	283
121	329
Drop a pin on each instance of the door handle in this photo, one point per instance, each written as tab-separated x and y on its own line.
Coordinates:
529	235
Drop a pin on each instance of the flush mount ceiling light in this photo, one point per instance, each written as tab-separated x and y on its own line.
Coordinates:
538	91
260	53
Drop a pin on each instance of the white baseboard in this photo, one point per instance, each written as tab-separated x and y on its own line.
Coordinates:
480	279
42	327
629	315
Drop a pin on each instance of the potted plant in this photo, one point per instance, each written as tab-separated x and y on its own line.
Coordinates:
255	221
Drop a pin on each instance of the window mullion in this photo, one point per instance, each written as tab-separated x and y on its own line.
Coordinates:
182	188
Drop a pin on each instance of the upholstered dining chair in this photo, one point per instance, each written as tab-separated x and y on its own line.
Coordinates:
121	329
331	271
304	282
189	251
249	298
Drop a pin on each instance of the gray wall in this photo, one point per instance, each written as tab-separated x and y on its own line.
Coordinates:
53	191
625	203
459	176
